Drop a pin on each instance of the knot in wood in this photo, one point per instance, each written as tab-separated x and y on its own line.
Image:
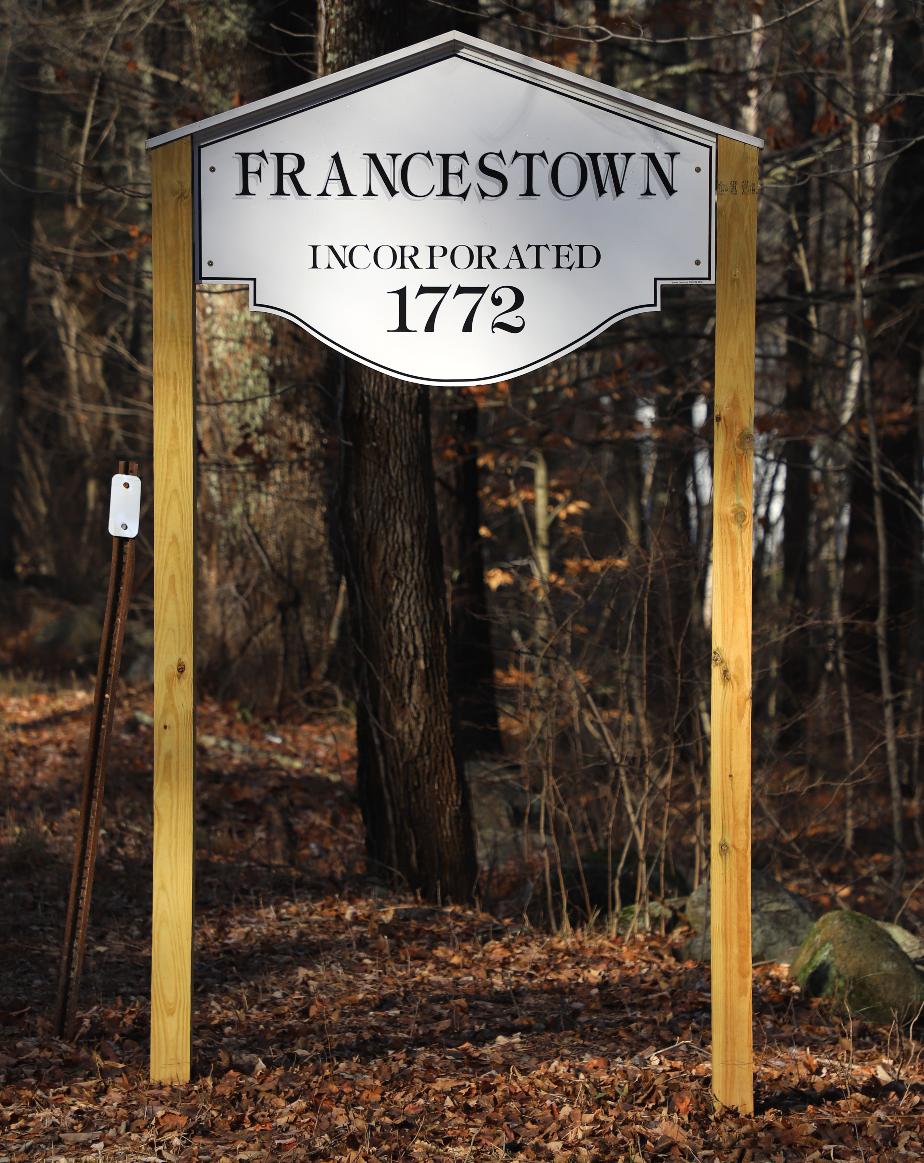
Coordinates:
724	847
719	660
181	667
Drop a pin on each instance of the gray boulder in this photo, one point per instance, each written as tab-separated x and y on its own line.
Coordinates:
851	960
780	921
503	812
138	659
910	943
69	640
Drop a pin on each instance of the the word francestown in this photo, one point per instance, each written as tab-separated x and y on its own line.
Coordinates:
424	174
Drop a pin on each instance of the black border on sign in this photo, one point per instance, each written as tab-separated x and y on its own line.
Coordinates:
639	308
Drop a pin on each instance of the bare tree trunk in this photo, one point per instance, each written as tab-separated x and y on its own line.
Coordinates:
915	715
900	323
18	136
414	803
864	148
413	796
472	657
801	328
543	623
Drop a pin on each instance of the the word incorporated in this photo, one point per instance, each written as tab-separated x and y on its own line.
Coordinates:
480	256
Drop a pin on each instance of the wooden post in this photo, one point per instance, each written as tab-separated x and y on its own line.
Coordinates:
174	579
733	471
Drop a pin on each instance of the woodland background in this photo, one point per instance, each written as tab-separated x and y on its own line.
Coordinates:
573	504
552	536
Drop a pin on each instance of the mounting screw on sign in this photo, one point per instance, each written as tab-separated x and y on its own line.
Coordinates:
125	505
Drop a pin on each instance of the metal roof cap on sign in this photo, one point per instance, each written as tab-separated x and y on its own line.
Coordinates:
426	52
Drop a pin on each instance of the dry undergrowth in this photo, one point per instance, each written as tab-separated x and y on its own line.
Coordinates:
336	1021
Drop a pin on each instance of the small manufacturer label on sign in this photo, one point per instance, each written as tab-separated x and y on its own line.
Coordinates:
125	505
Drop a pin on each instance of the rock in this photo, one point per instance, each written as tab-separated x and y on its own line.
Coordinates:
632	918
910	943
70	640
138	652
596	875
504	812
853	961
780	921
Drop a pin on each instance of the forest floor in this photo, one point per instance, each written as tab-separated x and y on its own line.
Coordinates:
334	1020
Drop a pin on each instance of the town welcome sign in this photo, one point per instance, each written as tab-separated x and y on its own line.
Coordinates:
454	213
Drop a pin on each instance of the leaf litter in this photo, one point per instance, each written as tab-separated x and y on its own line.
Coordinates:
336	1020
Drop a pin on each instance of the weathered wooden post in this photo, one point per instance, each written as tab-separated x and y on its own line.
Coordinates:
732	513
174	609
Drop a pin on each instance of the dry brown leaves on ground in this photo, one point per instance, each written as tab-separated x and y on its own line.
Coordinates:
333	1021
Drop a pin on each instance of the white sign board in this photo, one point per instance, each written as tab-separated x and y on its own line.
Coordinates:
456	222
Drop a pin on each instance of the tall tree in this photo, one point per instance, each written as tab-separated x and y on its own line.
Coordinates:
413	796
901	352
801	328
471	655
18	138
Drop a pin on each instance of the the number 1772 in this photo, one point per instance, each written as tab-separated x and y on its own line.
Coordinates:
475	295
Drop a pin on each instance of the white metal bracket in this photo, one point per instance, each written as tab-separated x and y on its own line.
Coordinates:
125	505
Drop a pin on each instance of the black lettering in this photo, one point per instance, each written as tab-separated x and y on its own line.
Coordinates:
666	182
449	174
390	252
405	167
601	180
492	174
353	263
247	173
582	265
529	160
497	298
401	292
339	176
478	293
466	252
555	176
282	173
390	183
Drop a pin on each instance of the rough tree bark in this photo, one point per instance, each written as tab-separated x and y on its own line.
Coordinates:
870	87
414	800
901	350
801	327
18	137
472	658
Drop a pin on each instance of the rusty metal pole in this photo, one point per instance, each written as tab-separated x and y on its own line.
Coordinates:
121	573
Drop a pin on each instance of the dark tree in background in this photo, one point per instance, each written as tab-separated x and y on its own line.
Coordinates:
568	613
18	139
412	790
471	654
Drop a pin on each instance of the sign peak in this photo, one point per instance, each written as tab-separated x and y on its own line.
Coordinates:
436	48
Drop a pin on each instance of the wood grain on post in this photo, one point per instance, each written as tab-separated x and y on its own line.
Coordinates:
733	472
174	657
